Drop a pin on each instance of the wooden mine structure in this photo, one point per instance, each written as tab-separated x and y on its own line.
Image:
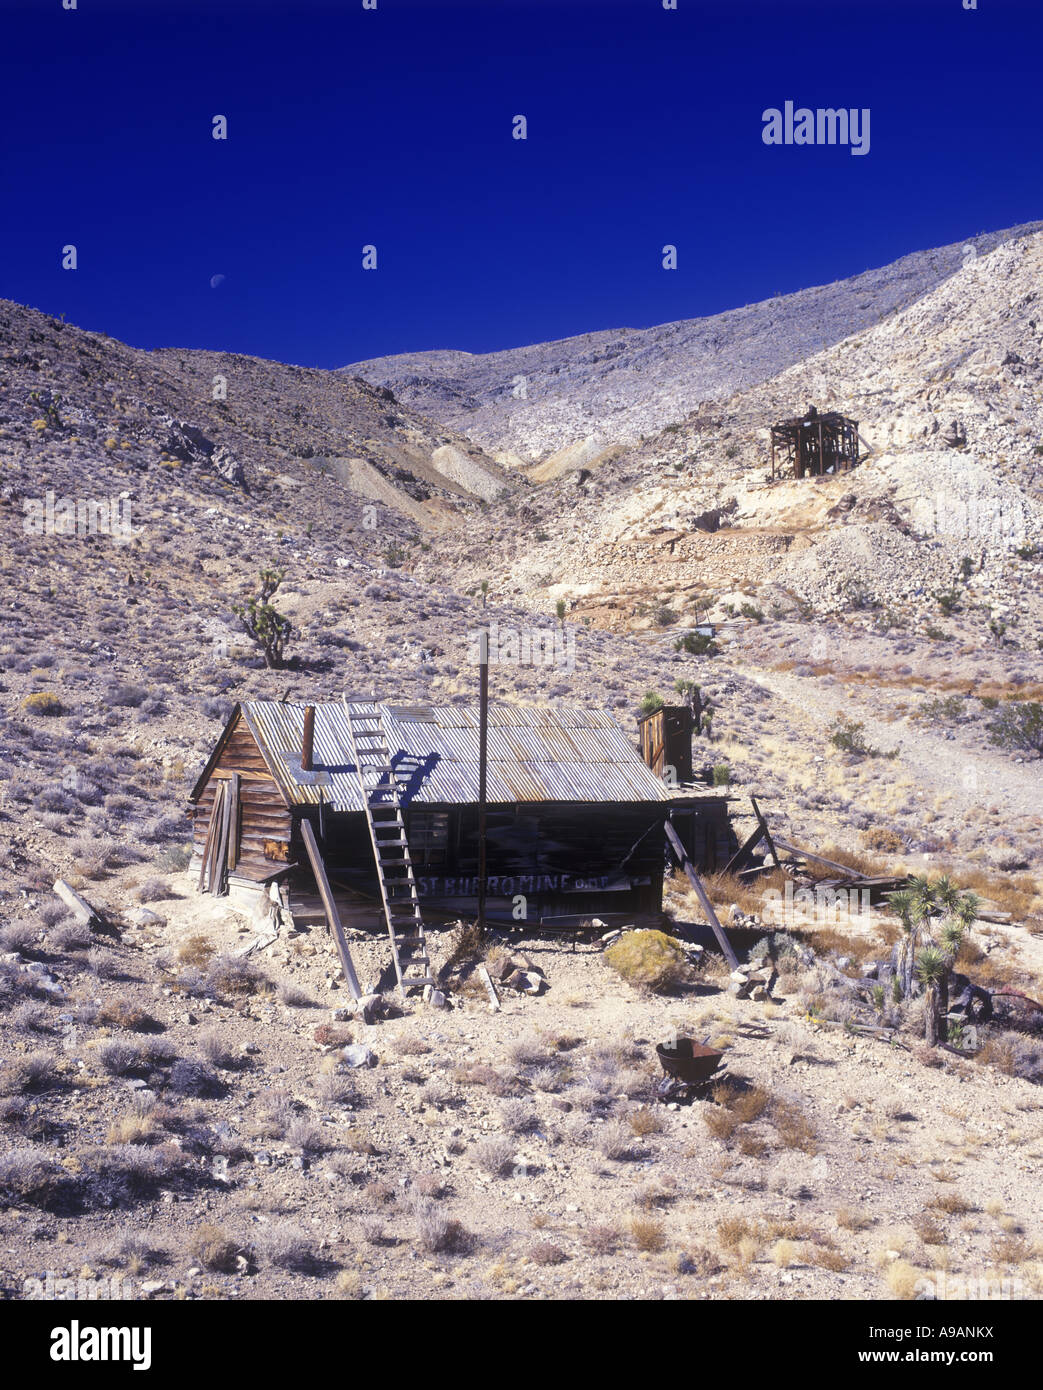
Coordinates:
814	445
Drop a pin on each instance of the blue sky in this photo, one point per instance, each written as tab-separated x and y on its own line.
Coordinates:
393	127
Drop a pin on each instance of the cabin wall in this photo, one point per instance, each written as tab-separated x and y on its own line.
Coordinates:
265	823
564	859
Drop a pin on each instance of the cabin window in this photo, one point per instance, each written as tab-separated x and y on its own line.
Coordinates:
429	838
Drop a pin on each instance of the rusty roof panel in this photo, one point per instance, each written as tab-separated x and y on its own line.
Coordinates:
536	753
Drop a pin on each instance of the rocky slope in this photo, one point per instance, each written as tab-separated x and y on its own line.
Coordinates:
574	398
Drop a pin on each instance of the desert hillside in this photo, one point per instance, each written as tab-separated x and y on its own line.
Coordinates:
188	1100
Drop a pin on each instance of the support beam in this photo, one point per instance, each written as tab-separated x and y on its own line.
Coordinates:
330	908
700	892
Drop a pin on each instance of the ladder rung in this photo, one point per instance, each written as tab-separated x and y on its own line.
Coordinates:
409	941
420	980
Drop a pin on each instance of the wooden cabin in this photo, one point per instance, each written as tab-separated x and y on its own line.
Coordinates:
574	825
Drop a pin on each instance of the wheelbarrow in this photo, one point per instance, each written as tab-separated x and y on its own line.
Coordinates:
688	1066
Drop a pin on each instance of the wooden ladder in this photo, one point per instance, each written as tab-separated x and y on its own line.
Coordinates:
387	833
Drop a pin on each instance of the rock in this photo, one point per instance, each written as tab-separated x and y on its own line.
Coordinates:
368	1007
263	1158
249	1049
358	1056
145	917
760	994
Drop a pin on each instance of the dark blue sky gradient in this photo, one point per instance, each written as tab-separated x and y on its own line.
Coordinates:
394	127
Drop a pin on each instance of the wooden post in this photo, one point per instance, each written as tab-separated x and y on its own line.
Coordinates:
700	893
80	908
483	748
330	907
308	739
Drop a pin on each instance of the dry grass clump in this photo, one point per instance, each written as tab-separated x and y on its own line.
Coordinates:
132	1129
647	1235
649	959
196	950
213	1248
825	1257
122	1013
407	1046
794	1128
646	1121
903	1279
928	1229
733	1229
601	1239
952	1203
849	1220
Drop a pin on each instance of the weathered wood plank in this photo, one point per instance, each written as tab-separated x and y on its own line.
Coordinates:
79	907
700	893
330	907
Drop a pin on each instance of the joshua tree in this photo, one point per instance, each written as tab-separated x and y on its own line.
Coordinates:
701	709
932	968
912	911
561	608
262	623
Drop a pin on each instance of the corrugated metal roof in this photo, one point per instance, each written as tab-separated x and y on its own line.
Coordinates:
536	753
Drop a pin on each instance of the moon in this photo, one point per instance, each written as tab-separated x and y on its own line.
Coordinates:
216	280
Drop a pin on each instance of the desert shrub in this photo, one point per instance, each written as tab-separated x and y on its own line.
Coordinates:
214	1249
494	1156
192	1078
332	1089
18	936
286	1246
233	975
105	964
294	997
36	1072
615	1140
43	702
121	1058
648	958
646	1121
31	1018
121	1013
601	1240
152	891
437	1231
547	1253
127	694
31	1175
123	1173
1018	726
70	936
517	1117
306	1135
216	1049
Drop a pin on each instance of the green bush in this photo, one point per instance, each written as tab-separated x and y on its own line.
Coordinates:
1019	726
722	775
648	958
